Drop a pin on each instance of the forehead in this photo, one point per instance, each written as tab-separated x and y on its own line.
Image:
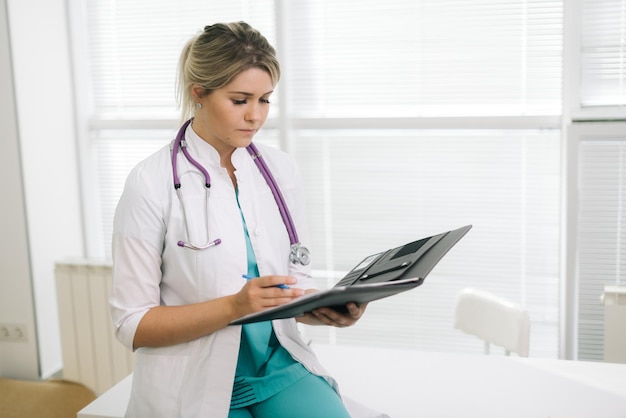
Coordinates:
252	80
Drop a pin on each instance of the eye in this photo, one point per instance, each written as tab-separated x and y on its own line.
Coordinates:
240	101
264	100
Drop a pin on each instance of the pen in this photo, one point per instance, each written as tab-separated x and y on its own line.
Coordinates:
282	286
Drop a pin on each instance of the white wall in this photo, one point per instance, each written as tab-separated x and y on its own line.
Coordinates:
16	305
41	219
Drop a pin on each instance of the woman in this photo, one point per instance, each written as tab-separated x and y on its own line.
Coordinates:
172	301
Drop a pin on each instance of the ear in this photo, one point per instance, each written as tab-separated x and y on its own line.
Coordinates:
197	92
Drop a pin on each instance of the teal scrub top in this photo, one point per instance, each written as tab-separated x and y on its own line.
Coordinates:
264	367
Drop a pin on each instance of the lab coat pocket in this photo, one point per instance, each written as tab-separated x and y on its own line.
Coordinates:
157	382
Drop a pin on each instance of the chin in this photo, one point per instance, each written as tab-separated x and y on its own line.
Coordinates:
242	141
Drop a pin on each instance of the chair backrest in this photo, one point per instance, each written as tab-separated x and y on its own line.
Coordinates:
494	320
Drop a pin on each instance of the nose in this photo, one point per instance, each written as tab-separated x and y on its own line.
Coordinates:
253	113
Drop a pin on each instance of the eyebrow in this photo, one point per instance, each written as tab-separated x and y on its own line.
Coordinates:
245	93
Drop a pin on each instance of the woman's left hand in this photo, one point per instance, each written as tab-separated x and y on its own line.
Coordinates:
329	316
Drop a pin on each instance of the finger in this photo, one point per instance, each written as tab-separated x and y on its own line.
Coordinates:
282	293
332	317
273	281
263	284
355	310
322	317
272	296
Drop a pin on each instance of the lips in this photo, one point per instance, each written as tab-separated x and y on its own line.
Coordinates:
248	131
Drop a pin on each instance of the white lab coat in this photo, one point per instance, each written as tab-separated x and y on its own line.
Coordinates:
194	379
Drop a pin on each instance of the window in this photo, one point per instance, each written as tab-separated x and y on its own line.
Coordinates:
134	47
408	59
421	182
601	227
596	163
407	119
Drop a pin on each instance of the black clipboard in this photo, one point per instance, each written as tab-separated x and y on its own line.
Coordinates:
378	276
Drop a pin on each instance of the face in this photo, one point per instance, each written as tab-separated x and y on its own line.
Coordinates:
232	115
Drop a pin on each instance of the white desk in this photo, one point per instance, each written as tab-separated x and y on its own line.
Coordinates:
408	384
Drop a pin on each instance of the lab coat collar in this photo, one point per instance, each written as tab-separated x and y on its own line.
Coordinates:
201	150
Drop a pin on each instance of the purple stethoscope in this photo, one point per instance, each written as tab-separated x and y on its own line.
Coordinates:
298	253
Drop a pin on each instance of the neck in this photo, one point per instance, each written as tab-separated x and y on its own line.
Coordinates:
227	163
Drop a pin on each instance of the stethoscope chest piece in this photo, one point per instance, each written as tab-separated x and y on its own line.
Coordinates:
299	254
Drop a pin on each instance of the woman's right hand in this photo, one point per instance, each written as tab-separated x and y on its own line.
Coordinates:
264	292
168	325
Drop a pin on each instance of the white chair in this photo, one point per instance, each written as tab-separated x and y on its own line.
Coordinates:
494	320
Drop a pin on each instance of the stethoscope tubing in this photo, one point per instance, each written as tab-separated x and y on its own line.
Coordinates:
278	196
177	146
255	154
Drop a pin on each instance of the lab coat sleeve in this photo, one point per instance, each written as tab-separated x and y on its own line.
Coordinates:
138	234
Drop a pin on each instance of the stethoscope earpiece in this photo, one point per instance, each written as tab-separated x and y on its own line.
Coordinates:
199	247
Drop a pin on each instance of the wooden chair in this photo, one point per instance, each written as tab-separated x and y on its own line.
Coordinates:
42	399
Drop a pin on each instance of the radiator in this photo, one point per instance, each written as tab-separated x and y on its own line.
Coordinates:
91	353
614	299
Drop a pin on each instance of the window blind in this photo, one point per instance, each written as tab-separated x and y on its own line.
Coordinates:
133	50
134	46
369	189
355	58
600	176
601	234
603	54
373	190
345	62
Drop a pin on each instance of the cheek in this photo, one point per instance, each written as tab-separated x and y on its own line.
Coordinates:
223	117
265	110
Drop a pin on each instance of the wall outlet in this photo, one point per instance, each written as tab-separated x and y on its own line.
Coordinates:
13	332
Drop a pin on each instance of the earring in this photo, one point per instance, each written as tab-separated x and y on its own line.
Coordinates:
198	105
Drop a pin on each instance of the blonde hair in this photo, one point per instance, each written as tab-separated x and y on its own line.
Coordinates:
212	58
